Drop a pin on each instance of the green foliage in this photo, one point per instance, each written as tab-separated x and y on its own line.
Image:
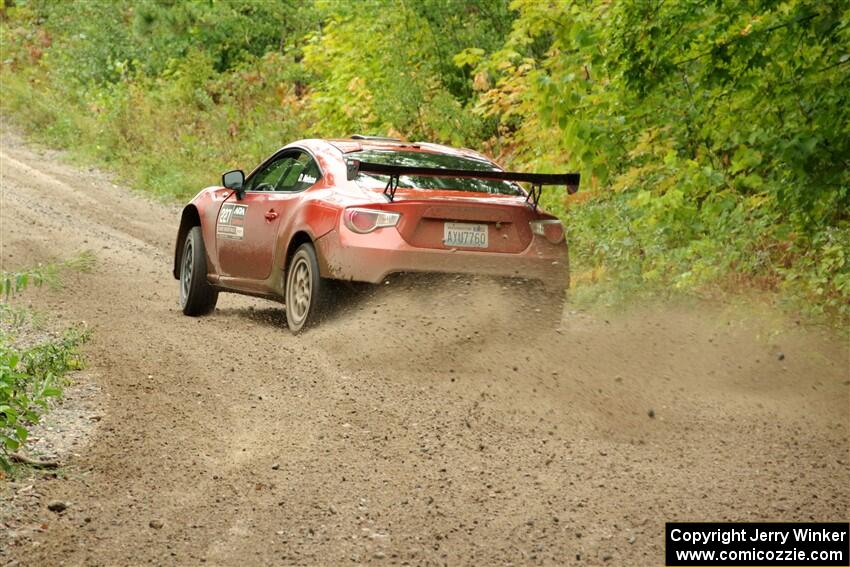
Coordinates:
30	376
28	379
389	67
106	41
162	92
713	136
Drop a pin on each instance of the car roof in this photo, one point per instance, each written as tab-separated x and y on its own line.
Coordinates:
349	145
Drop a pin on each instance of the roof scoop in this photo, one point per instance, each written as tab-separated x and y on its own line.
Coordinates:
374	138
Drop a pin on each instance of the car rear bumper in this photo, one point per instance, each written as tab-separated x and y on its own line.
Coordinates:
346	255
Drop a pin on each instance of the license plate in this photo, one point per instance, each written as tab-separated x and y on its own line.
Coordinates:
464	235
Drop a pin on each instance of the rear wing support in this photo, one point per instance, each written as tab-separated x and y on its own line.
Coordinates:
391	187
537	180
534	193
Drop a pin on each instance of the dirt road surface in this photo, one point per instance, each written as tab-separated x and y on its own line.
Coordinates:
422	426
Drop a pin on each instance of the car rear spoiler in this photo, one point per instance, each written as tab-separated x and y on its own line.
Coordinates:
537	180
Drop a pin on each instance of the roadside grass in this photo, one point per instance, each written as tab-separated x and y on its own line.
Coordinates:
12	283
168	141
622	254
33	362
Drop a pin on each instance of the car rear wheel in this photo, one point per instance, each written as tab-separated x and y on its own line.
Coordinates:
306	291
197	296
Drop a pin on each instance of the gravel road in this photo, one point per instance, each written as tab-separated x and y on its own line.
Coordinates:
424	425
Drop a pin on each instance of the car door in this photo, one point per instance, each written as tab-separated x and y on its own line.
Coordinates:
247	228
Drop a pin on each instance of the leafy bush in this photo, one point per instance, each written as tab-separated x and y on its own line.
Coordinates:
714	136
28	379
30	376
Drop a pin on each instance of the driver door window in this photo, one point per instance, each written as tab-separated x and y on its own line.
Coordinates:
271	175
290	172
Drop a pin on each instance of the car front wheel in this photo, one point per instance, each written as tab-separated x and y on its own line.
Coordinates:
197	296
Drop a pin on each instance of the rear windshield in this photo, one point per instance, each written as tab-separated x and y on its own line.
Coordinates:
423	159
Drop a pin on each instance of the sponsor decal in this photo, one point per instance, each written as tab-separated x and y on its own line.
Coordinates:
231	221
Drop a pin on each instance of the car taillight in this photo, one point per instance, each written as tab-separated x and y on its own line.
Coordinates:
367	220
551	229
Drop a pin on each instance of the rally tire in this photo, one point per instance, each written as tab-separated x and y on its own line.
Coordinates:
306	291
197	296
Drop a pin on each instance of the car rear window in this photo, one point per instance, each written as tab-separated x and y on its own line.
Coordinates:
425	159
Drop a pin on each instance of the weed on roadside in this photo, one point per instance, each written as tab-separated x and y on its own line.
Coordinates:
33	363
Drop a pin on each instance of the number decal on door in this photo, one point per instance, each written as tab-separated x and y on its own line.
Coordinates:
231	222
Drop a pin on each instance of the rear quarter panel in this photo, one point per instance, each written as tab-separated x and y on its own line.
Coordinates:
316	215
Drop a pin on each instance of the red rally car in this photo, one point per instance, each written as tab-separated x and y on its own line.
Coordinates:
359	209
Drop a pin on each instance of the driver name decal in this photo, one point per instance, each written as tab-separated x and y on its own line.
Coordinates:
231	221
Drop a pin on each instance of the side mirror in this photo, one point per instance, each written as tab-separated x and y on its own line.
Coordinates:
234	180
